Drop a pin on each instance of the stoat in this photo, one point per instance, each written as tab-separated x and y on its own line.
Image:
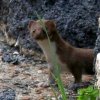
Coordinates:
76	60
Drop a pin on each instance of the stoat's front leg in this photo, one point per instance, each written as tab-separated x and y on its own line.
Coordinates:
52	74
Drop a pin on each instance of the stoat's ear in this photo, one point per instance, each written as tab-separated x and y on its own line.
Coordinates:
51	28
31	23
50	24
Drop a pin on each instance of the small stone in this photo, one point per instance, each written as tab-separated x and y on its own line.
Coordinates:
43	58
41	97
45	71
53	98
25	97
31	52
38	90
43	84
15	53
39	71
23	64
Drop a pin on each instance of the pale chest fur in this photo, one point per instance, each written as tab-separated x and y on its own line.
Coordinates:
51	55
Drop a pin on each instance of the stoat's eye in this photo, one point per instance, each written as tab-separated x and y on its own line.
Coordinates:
33	31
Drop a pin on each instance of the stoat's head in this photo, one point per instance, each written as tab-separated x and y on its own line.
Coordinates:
37	29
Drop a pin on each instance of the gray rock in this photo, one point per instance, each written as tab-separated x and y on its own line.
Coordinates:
12	58
7	94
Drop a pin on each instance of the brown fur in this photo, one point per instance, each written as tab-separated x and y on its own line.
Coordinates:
77	60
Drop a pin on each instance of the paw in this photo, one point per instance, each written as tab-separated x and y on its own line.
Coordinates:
77	86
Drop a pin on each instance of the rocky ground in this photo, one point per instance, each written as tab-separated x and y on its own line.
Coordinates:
25	77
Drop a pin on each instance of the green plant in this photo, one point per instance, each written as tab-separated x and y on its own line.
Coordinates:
57	71
89	93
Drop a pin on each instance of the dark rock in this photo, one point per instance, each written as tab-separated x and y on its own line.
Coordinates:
76	19
7	94
12	58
